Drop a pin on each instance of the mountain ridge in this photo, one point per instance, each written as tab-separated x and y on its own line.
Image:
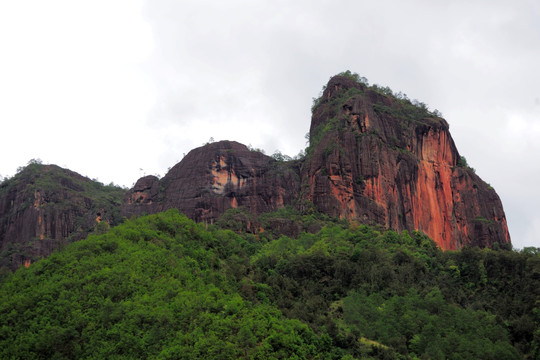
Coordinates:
374	157
44	207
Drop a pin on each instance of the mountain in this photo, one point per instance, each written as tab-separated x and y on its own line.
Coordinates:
374	157
243	255
382	159
214	178
164	287
44	207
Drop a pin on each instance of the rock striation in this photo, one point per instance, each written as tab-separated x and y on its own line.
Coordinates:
44	207
380	159
373	158
214	178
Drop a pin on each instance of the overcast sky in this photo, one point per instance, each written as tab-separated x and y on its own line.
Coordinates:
115	90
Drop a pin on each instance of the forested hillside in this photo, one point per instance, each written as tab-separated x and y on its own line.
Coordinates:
162	286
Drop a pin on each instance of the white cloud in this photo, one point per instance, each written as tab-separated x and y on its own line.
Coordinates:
71	85
109	87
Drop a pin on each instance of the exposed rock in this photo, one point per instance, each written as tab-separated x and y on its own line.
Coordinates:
373	158
44	207
386	161
214	178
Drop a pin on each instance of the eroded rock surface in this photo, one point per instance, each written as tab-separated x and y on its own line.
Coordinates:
388	162
373	158
214	178
44	207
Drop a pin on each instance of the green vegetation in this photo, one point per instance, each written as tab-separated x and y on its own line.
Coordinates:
319	132
383	286
482	220
402	108
348	74
405	111
354	77
462	163
162	286
251	148
278	156
156	287
58	193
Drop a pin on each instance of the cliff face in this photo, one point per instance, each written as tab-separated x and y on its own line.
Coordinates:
379	159
44	207
373	158
214	178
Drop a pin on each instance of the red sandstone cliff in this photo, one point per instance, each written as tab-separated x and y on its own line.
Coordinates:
382	160
44	207
373	158
214	178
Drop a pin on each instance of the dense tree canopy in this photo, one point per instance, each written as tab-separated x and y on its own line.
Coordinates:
162	286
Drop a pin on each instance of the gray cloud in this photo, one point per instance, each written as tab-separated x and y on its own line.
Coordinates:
257	65
247	71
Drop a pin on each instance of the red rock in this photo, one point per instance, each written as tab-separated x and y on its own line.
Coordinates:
373	158
386	165
44	207
214	178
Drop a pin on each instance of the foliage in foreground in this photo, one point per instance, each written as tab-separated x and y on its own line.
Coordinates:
164	287
153	287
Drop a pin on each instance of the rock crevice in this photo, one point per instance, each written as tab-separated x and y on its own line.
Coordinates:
373	158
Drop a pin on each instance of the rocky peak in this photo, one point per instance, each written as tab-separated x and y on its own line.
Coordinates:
44	207
341	83
374	157
214	178
337	86
378	158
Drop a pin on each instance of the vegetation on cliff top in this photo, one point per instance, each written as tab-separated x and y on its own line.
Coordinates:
408	108
162	286
397	106
54	179
55	192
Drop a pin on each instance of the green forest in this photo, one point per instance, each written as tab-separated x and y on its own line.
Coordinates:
164	287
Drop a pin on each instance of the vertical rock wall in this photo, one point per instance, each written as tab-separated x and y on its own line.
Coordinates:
381	164
44	207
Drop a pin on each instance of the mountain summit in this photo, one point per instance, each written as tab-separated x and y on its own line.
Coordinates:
44	207
374	157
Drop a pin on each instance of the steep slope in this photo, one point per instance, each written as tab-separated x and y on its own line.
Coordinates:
164	287
373	157
44	206
156	287
214	178
377	158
